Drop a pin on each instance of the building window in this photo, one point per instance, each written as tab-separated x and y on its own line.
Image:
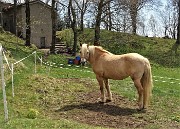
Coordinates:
42	42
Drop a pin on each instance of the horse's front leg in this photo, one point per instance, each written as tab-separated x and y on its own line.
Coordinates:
106	82
100	81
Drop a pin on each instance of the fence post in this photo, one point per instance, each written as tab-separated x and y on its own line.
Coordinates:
41	60
35	61
12	78
3	85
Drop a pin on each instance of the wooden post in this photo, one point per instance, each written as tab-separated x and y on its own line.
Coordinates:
12	78
3	85
41	60
35	62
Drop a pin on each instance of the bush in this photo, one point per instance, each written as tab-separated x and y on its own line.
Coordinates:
32	113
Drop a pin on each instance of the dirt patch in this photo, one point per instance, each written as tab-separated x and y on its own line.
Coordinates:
120	113
116	114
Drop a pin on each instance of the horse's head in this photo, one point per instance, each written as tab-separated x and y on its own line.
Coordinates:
84	53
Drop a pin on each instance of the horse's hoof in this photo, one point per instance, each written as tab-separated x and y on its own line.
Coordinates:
100	102
143	110
108	100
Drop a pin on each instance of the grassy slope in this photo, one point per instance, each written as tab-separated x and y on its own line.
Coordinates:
156	49
28	87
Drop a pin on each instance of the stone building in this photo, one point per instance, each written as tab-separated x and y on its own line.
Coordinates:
41	23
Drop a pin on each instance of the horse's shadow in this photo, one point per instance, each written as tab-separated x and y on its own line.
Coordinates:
112	110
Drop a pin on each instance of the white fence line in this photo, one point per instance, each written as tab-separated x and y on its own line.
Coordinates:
167	78
12	69
6	60
51	64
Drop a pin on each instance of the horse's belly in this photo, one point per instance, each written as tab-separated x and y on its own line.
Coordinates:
115	76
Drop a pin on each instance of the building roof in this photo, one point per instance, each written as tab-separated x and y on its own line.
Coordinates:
36	1
9	6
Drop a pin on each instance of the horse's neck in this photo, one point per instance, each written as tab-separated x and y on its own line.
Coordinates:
95	52
91	54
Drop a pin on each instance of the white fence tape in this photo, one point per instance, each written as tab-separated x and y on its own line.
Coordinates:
12	69
167	79
6	60
51	64
63	66
25	58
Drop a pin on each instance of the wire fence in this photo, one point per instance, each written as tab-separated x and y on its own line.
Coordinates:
161	79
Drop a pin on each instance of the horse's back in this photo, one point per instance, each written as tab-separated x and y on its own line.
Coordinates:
122	66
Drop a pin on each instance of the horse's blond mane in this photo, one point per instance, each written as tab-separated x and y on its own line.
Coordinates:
92	49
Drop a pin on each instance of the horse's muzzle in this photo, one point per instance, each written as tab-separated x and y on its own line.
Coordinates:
83	61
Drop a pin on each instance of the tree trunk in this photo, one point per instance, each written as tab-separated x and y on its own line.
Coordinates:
82	22
53	17
28	24
82	17
15	13
98	22
133	13
109	15
73	25
134	20
177	43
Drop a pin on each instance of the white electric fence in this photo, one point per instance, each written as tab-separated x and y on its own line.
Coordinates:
63	66
11	68
51	64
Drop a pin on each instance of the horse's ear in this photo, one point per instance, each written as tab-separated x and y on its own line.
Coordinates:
87	45
81	44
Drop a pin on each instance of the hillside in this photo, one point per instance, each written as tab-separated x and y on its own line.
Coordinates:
157	50
64	96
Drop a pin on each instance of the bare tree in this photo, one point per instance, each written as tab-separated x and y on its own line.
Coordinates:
15	13
107	16
73	21
101	5
177	43
28	24
98	22
152	25
53	18
82	6
134	6
168	17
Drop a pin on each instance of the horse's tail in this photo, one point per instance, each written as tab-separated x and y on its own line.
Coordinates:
147	84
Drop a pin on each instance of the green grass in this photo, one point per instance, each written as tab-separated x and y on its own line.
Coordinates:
50	86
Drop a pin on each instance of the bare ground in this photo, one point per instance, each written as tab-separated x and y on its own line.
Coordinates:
120	113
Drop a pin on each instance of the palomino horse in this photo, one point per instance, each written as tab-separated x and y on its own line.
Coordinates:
109	66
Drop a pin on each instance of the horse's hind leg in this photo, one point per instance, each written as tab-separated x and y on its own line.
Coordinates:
100	81
139	88
106	82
